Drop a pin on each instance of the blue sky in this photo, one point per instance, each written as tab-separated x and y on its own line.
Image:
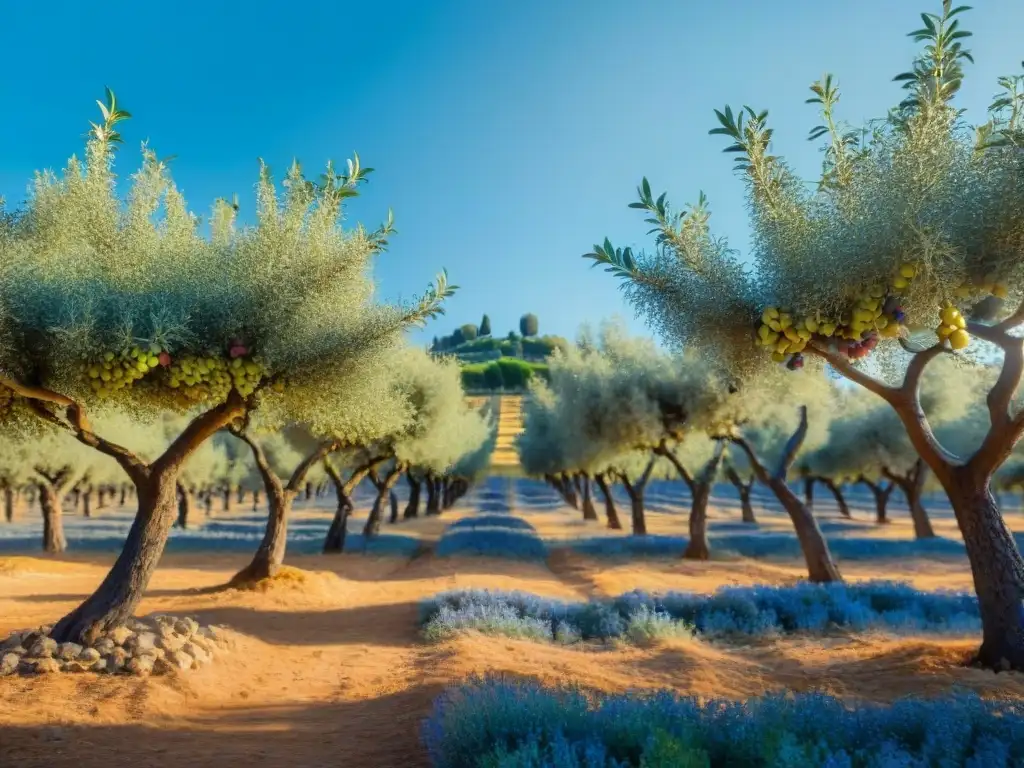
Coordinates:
507	136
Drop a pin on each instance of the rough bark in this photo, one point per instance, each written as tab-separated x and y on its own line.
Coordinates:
87	501
383	486
101	497
912	486
334	542
51	500
124	494
610	512
821	567
700	493
997	569
412	508
227	498
208	503
117	596
837	493
269	557
589	513
309	491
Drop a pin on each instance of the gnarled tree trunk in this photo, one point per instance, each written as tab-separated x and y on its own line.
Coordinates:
837	493
610	512
383	486
269	556
87	501
743	489
227	498
635	491
433	500
412	507
185	506
117	596
912	485
334	543
51	500
821	568
881	494
589	513
700	493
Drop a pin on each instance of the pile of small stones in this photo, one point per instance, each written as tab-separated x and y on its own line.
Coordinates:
156	646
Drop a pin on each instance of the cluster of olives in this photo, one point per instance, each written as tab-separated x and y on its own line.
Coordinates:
952	326
194	377
115	372
875	315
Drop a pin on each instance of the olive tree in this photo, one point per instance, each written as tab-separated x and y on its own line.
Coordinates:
441	429
917	221
130	304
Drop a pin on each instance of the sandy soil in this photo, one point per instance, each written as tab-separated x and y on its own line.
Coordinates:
329	668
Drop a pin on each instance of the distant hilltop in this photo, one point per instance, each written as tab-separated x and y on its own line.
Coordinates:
492	364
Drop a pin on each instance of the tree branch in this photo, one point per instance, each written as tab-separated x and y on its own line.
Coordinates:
270	479
854	374
202	428
759	471
662	450
793	446
299	475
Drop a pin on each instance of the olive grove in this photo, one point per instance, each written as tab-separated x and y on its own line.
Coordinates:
914	230
108	303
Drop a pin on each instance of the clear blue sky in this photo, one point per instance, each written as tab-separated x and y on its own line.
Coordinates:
508	135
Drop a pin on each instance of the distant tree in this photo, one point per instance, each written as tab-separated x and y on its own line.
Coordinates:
485	326
469	331
435	345
528	325
456	338
512	336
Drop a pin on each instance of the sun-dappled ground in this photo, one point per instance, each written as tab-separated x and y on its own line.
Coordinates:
330	666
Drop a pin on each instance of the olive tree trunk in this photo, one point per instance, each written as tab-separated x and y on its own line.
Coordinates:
881	494
912	486
837	493
185	506
589	513
51	499
821	567
700	493
8	502
334	542
393	501
610	512
269	556
809	492
743	489
383	486
117	596
412	508
635	491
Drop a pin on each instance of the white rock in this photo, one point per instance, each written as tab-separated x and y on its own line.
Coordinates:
104	645
201	656
120	635
141	665
141	642
68	651
44	647
170	642
46	666
9	663
180	660
89	656
186	627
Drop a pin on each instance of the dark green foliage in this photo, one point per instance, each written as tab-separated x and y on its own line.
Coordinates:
528	325
485	326
507	373
456	338
469	332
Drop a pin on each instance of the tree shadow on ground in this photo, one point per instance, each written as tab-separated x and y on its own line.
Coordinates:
383	731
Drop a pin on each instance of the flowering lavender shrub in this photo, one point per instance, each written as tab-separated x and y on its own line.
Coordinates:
491	542
492	521
495	723
756	610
